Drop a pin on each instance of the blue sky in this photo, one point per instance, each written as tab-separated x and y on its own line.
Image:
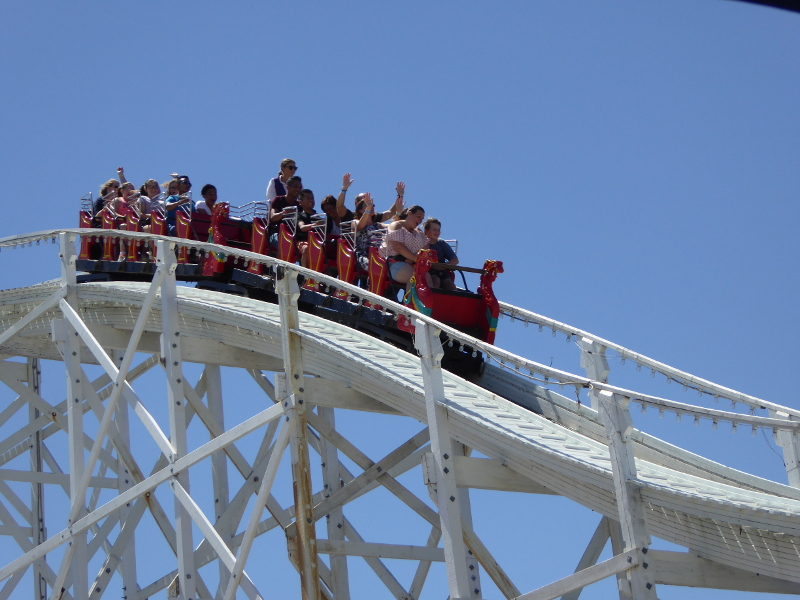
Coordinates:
634	164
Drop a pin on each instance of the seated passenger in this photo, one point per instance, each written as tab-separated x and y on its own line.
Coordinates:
123	204
277	209
184	185
277	185
445	254
334	228
402	245
173	202
209	194
305	223
368	223
108	192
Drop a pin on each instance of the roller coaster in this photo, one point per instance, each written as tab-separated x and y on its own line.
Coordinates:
507	423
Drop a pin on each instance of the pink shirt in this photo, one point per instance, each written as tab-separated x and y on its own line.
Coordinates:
414	240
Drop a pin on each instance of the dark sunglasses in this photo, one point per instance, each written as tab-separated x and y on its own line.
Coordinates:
292	167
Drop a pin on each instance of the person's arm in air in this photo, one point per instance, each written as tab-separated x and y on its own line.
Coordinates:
347	181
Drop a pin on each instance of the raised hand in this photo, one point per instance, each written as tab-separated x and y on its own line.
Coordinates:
400	188
347	181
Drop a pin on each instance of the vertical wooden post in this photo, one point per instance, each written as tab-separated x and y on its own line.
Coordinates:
172	361
613	412
72	362
219	462
37	489
295	404
448	498
593	360
332	482
473	566
127	566
790	445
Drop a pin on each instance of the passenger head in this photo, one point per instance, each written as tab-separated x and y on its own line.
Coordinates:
293	187
288	168
171	186
112	185
125	189
209	194
307	201
433	229
184	185
415	215
329	207
150	188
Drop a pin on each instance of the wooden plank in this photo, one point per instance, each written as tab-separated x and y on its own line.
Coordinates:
612	566
591	554
364	549
689	569
493	474
448	498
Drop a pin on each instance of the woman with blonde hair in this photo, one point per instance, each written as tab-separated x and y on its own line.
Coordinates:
277	185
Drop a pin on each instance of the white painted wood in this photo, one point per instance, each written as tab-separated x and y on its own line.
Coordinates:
70	347
593	361
421	574
656	366
790	444
492	474
219	463
237	570
288	293
376	564
688	569
127	517
172	360
617	420
105	361
338	394
449	504
461	452
364	549
586	577
37	312
38	533
193	349
332	482
591	554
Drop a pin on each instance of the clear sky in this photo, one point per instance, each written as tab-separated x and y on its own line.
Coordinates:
634	164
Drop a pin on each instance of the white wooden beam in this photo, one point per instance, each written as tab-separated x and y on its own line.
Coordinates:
77	553
586	577
376	564
365	549
591	554
295	404
593	360
172	361
33	375
689	569
337	394
332	482
613	413
431	352
120	435
237	569
194	349
790	444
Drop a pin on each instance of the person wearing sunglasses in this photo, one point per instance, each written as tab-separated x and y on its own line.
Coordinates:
277	185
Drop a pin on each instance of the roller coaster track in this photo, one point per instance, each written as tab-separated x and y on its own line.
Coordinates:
742	531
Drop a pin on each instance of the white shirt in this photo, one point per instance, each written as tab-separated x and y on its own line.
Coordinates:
202	207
